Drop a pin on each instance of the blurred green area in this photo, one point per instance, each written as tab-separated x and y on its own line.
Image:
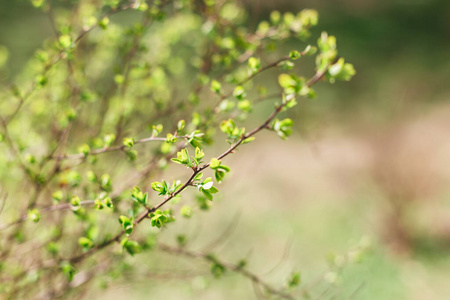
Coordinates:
369	160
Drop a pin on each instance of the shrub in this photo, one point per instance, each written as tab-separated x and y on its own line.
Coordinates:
108	104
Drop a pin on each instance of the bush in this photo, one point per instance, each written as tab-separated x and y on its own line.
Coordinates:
108	105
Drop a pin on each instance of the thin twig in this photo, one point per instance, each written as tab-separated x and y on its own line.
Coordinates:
319	75
114	148
45	210
229	266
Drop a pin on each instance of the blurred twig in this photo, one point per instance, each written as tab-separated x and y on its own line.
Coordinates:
229	266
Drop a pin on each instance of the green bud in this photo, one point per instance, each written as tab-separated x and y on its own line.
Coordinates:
254	64
103	23
180	125
216	87
239	93
34	215
57	196
85	149
85	242
129	142
109	139
90	175
65	41
294	54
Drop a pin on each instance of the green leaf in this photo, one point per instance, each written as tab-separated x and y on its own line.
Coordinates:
254	64
157	129
85	242
108	202
85	149
239	93
171	138
310	50
37	3
283	128
57	196
159	218
75	202
216	87
309	17
132	247
31	159
128	142
245	106
294	54
198	176
131	155
180	125
98	204
186	211
213	190
41	80
103	23
199	154
217	269
90	175
286	81
139	196
161	188
275	17
183	158
34	215
127	224
68	269
294	280
119	79
207	194
248	140
214	163
65	41
341	71
106	183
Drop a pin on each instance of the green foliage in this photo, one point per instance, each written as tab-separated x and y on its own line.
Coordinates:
219	169
85	242
206	188
127	224
167	86
34	215
183	158
160	218
294	280
139	196
283	128
131	247
69	270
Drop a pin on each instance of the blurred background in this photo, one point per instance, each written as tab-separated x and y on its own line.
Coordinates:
368	165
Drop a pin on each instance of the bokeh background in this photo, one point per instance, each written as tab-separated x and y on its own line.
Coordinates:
367	166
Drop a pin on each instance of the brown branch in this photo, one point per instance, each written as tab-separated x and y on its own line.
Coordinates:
44	211
250	77
319	75
229	266
59	57
114	148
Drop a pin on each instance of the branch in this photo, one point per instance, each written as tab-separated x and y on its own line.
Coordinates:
59	57
44	211
233	267
319	75
114	148
251	76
